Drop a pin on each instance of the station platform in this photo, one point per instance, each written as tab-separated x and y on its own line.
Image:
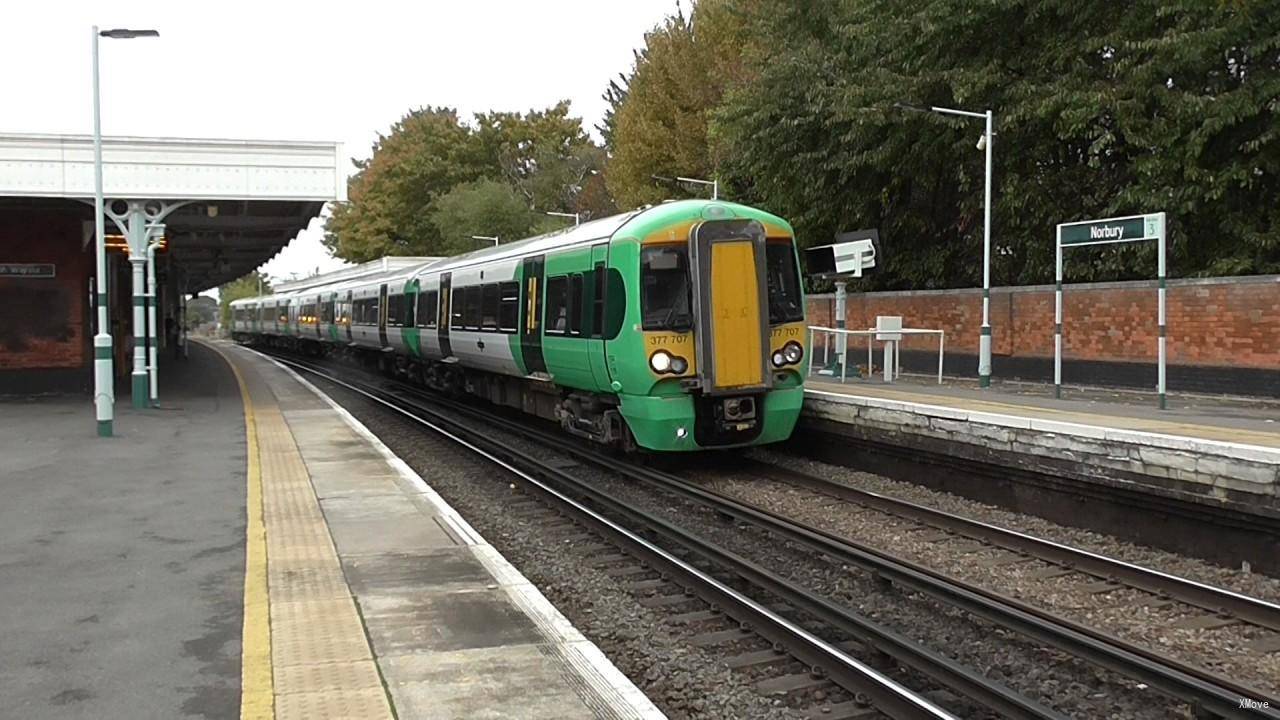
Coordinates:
1206	450
251	550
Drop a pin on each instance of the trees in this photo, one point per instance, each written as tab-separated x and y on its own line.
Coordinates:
251	285
657	123
1102	109
432	174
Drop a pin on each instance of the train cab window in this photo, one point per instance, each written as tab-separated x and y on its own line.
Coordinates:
471	312
783	278
326	314
575	304
665	302
489	301
557	305
508	306
457	304
427	308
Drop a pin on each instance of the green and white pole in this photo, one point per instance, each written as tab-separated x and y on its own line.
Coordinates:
152	334
1057	324
137	229
103	390
1160	254
841	301
984	341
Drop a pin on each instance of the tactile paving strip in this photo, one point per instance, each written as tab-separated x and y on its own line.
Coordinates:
321	661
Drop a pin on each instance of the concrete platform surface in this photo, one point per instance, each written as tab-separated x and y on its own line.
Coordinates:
122	559
1226	420
368	567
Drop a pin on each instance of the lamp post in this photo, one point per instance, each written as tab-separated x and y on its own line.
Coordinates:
577	218
984	143
103	388
493	238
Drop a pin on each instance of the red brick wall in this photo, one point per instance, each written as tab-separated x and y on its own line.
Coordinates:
1226	322
42	320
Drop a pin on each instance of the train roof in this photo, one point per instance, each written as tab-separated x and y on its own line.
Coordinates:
639	221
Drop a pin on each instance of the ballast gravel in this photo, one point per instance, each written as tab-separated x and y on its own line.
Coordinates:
683	680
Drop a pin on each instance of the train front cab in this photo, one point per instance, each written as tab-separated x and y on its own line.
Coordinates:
720	314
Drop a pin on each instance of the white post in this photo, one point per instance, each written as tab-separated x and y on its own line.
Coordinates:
841	301
844	356
153	333
984	341
888	361
1057	321
137	229
1160	254
103	382
942	341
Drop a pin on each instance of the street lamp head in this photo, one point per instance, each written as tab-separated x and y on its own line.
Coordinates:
124	34
909	107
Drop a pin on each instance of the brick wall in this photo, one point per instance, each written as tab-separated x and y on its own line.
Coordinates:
42	320
1229	322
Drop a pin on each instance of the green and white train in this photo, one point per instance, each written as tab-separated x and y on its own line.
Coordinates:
676	327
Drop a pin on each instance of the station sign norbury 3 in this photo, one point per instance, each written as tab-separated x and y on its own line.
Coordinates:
1113	230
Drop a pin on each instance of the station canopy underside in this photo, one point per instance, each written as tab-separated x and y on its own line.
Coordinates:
239	202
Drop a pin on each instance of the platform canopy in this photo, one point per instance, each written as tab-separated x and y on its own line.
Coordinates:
242	200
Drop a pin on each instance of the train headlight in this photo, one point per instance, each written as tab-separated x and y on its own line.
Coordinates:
793	352
779	359
660	361
679	365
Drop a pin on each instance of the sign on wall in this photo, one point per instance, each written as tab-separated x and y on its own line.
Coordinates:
27	270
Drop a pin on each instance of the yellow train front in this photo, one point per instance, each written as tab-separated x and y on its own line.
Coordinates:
712	351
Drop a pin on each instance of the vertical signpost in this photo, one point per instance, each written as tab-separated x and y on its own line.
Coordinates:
1134	228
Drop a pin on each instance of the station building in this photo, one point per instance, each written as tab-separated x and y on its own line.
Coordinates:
213	209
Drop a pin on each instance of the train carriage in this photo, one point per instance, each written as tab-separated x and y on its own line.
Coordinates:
673	328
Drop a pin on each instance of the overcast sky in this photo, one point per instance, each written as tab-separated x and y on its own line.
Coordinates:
309	70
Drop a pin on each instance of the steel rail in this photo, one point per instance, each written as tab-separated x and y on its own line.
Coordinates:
1214	599
887	695
1197	687
1202	690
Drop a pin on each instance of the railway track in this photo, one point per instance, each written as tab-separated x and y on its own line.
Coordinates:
869	687
1221	606
1206	694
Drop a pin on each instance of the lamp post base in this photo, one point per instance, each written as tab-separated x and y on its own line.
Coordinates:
140	399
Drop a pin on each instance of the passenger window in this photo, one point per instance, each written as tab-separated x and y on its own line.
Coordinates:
394	302
471	313
489	307
455	322
575	304
427	308
557	304
509	306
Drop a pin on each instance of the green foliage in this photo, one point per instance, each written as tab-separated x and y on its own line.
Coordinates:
1101	109
543	159
251	285
484	207
657	123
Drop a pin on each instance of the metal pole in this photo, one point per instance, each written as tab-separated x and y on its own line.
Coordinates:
1057	321
984	342
153	334
103	387
942	342
841	301
138	259
1160	253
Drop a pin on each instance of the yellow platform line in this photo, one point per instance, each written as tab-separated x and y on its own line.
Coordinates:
257	691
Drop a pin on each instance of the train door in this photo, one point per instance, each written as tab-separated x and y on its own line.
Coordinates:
531	272
382	315
596	291
348	308
445	315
